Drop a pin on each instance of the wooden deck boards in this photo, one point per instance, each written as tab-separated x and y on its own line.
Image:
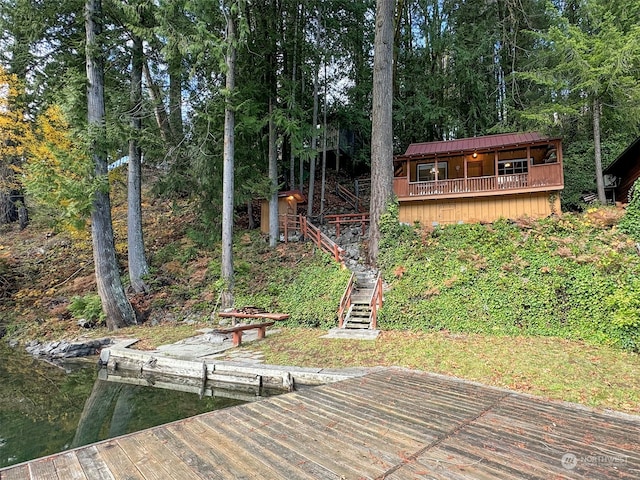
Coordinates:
391	424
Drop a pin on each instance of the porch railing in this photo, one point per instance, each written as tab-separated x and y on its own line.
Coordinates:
548	175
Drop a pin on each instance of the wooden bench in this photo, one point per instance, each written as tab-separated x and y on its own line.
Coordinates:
238	329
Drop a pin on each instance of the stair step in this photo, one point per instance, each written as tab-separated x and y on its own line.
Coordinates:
353	321
360	299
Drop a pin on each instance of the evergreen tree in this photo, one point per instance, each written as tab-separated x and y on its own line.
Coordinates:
591	68
117	308
382	128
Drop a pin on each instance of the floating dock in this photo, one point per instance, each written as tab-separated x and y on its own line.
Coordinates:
389	424
142	367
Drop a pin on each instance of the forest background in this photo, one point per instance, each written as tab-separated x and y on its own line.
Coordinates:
460	68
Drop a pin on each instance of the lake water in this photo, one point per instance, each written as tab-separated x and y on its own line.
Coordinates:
41	406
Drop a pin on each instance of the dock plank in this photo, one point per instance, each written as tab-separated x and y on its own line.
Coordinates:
268	438
309	443
153	459
93	466
19	472
118	461
187	455
43	470
243	466
201	447
243	434
332	443
68	466
390	424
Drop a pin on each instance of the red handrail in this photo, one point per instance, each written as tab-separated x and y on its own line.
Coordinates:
289	223
348	196
337	220
309	230
376	302
345	301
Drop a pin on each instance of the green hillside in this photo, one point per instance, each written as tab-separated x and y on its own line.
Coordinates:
574	277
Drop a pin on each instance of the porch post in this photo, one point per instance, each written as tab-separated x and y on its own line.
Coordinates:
528	168
465	171
435	165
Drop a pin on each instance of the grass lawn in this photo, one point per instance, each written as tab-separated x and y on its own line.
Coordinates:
596	376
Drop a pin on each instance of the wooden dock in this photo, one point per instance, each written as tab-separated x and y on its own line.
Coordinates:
390	424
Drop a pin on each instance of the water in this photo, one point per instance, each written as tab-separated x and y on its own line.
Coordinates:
41	406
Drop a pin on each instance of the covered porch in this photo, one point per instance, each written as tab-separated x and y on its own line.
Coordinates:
481	166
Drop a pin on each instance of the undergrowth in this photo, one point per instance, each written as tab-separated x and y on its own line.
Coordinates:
565	277
296	279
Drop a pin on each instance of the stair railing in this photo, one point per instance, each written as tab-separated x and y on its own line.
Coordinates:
345	302
289	224
348	196
309	230
376	302
347	218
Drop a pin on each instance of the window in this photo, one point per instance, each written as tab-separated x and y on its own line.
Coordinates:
511	167
427	172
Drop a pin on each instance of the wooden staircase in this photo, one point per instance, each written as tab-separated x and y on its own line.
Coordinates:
360	302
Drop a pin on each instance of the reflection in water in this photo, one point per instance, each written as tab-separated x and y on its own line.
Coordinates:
45	409
119	400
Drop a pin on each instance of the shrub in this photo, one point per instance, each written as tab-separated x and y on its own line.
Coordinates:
630	223
88	307
556	277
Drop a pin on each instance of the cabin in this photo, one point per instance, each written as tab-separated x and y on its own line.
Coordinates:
622	173
479	179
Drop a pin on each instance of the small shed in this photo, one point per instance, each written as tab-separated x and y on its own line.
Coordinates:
623	172
287	205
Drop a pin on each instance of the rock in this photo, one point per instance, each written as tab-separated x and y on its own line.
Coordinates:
84	323
65	349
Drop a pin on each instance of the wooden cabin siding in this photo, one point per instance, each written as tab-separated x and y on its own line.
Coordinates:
286	206
480	209
626	182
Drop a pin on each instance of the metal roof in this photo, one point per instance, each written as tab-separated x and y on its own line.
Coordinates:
488	142
625	161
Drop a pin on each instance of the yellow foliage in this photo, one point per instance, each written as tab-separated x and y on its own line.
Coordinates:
13	128
58	171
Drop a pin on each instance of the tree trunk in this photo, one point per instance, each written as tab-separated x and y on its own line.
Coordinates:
228	166
382	127
158	107
114	301
274	233
324	144
602	198
138	266
175	93
292	153
314	146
